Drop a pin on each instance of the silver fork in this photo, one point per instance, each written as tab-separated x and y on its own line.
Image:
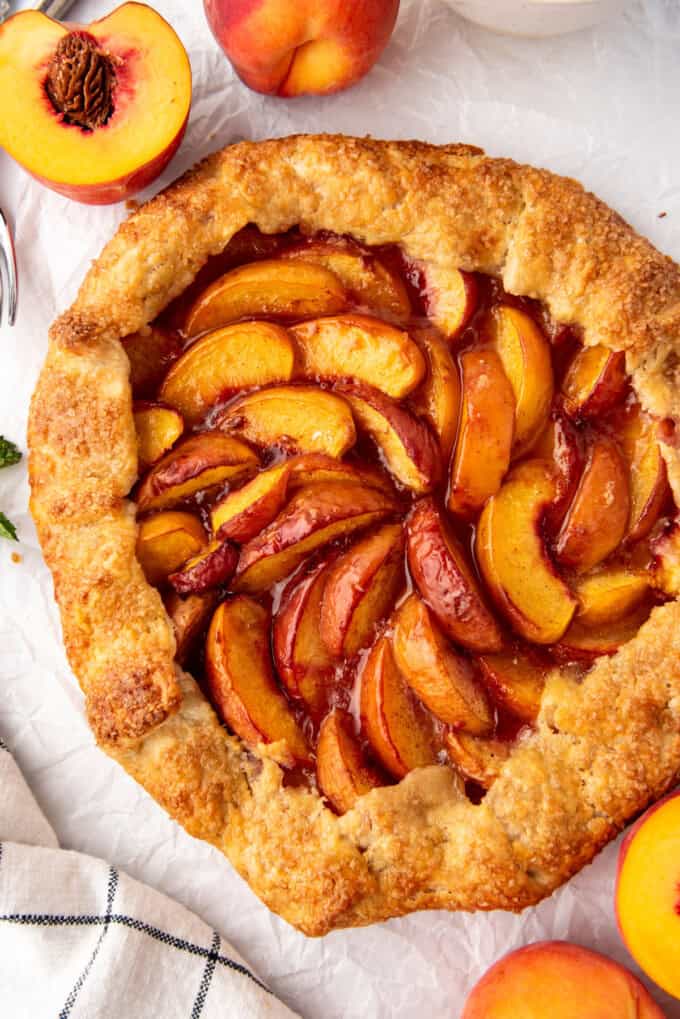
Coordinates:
8	272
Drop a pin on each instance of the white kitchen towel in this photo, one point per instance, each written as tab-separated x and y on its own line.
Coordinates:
81	940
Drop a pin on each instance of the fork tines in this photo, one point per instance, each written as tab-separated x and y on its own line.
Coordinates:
8	273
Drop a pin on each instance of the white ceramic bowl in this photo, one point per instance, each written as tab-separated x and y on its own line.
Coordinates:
536	17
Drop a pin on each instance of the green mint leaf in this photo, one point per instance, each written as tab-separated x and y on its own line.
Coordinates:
7	528
9	453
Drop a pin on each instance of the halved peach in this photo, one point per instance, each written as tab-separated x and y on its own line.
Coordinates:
438	397
647	893
516	679
451	298
200	462
525	354
367	280
241	679
245	511
610	593
150	352
361	588
485	434
596	520
400	734
310	468
649	488
237	357
408	447
594	383
316	515
158	429
444	577
165	542
588	642
274	288
189	617
513	558
478	757
342	771
556	980
94	112
301	418
214	566
362	348
560	443
303	662
439	676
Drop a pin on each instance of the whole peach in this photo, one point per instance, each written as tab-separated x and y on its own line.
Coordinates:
557	980
293	47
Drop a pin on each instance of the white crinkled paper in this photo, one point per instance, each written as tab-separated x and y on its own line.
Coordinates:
599	105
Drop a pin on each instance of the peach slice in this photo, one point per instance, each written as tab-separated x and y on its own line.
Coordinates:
189	617
400	734
342	771
525	353
438	398
596	520
316	515
150	352
165	542
226	360
649	488
517	680
556	980
303	661
246	511
513	558
214	566
647	895
273	288
451	297
594	383
485	434
361	588
290	49
405	442
101	135
665	571
439	676
362	348
478	758
158	429
302	418
609	594
444	578
588	642
200	462
561	445
367	280
241	679
311	468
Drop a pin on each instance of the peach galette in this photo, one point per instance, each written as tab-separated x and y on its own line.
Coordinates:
355	465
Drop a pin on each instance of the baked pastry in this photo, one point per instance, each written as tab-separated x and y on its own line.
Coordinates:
348	356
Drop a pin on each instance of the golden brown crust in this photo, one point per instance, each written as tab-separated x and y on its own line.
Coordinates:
601	750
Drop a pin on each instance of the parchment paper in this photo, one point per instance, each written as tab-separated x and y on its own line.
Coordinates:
601	106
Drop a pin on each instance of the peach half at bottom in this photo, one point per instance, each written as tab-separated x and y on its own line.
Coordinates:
96	112
556	980
648	893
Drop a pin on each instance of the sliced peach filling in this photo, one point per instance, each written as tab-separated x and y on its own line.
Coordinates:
380	541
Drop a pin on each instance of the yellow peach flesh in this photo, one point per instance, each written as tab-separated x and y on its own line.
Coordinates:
151	101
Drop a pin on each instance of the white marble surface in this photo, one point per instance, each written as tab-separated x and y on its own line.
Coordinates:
601	105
